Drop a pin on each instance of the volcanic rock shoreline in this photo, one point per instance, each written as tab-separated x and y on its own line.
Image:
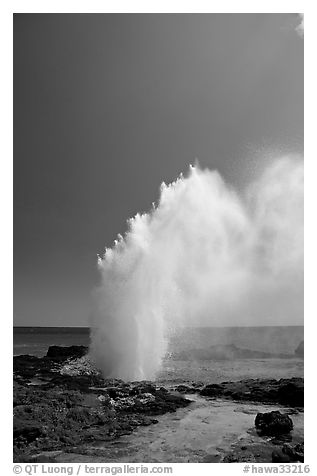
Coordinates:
288	392
60	405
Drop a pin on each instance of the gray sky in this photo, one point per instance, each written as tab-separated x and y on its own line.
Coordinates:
108	106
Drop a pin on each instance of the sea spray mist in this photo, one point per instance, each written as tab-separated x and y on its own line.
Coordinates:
204	255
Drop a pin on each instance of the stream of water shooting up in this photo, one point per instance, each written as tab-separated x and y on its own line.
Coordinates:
204	255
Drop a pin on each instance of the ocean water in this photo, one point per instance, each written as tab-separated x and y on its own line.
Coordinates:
36	340
273	339
283	340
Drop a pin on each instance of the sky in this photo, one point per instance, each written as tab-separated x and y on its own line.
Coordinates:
107	106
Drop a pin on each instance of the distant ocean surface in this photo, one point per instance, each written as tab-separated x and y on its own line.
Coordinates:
279	340
36	340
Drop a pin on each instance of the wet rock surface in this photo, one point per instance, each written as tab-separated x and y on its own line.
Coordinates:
62	405
273	423
289	454
279	444
284	391
294	452
57	411
58	352
286	454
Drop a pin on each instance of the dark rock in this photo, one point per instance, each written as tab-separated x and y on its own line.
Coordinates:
76	382
117	392
57	352
288	392
273	423
291	392
73	411
295	453
163	389
70	411
251	451
212	390
185	389
142	387
26	367
279	440
25	433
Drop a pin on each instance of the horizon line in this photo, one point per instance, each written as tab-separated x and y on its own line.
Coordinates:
181	327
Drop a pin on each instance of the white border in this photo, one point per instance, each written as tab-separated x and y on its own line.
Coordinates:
6	236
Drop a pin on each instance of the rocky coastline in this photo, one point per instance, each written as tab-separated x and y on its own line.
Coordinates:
61	403
288	392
